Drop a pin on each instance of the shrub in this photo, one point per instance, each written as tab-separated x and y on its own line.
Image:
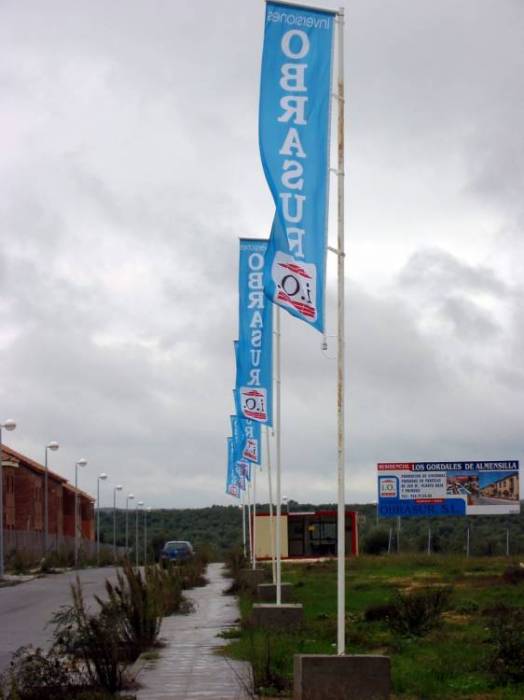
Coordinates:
506	629
137	601
106	557
57	559
417	612
95	640
19	562
33	675
170	585
376	613
513	574
192	571
376	542
467	607
235	562
269	655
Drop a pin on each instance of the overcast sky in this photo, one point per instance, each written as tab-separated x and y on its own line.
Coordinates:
129	168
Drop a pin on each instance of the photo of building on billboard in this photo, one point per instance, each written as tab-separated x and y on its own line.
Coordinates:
421	489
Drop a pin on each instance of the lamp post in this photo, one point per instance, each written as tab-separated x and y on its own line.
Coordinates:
129	498
50	446
146	511
9	424
81	463
115	489
138	505
100	477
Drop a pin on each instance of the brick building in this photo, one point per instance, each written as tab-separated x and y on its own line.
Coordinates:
23	491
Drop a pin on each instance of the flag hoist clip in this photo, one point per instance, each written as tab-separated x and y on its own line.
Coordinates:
324	346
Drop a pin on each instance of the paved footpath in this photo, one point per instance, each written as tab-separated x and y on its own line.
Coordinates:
189	667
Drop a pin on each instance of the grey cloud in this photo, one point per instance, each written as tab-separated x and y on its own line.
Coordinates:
442	273
132	167
470	323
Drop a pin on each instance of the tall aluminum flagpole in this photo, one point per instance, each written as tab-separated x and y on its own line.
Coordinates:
249	533
341	519
243	506
270	493
254	516
278	548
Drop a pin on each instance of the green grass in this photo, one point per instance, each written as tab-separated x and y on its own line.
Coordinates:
449	662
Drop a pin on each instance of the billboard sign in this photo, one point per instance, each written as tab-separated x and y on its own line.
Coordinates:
424	489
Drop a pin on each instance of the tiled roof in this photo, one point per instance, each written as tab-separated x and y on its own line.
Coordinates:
10	454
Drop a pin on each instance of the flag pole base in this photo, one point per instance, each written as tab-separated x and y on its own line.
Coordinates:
267	592
285	616
345	677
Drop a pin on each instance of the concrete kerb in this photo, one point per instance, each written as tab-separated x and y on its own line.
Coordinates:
277	617
351	677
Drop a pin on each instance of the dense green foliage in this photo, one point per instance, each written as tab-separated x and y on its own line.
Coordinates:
217	528
220	528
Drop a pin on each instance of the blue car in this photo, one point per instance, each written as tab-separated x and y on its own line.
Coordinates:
176	551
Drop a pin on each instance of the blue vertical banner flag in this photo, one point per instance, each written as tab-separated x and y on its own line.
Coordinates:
254	348
247	435
232	486
294	121
252	450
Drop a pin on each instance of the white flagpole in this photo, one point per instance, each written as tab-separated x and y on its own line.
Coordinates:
254	516
341	519
249	521
270	490
244	521
278	494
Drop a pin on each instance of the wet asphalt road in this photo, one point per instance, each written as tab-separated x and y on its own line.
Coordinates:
25	609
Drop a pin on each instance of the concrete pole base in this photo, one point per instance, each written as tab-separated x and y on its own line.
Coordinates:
267	592
351	677
277	617
252	577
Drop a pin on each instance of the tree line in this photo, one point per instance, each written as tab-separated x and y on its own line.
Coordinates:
219	528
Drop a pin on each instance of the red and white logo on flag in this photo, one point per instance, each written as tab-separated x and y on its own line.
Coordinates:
250	450
253	403
295	285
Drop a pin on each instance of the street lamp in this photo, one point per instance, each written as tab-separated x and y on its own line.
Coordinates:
138	505
146	511
115	489
50	446
129	498
81	463
101	477
9	424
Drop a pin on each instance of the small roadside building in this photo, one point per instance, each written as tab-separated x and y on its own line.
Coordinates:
23	482
306	535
